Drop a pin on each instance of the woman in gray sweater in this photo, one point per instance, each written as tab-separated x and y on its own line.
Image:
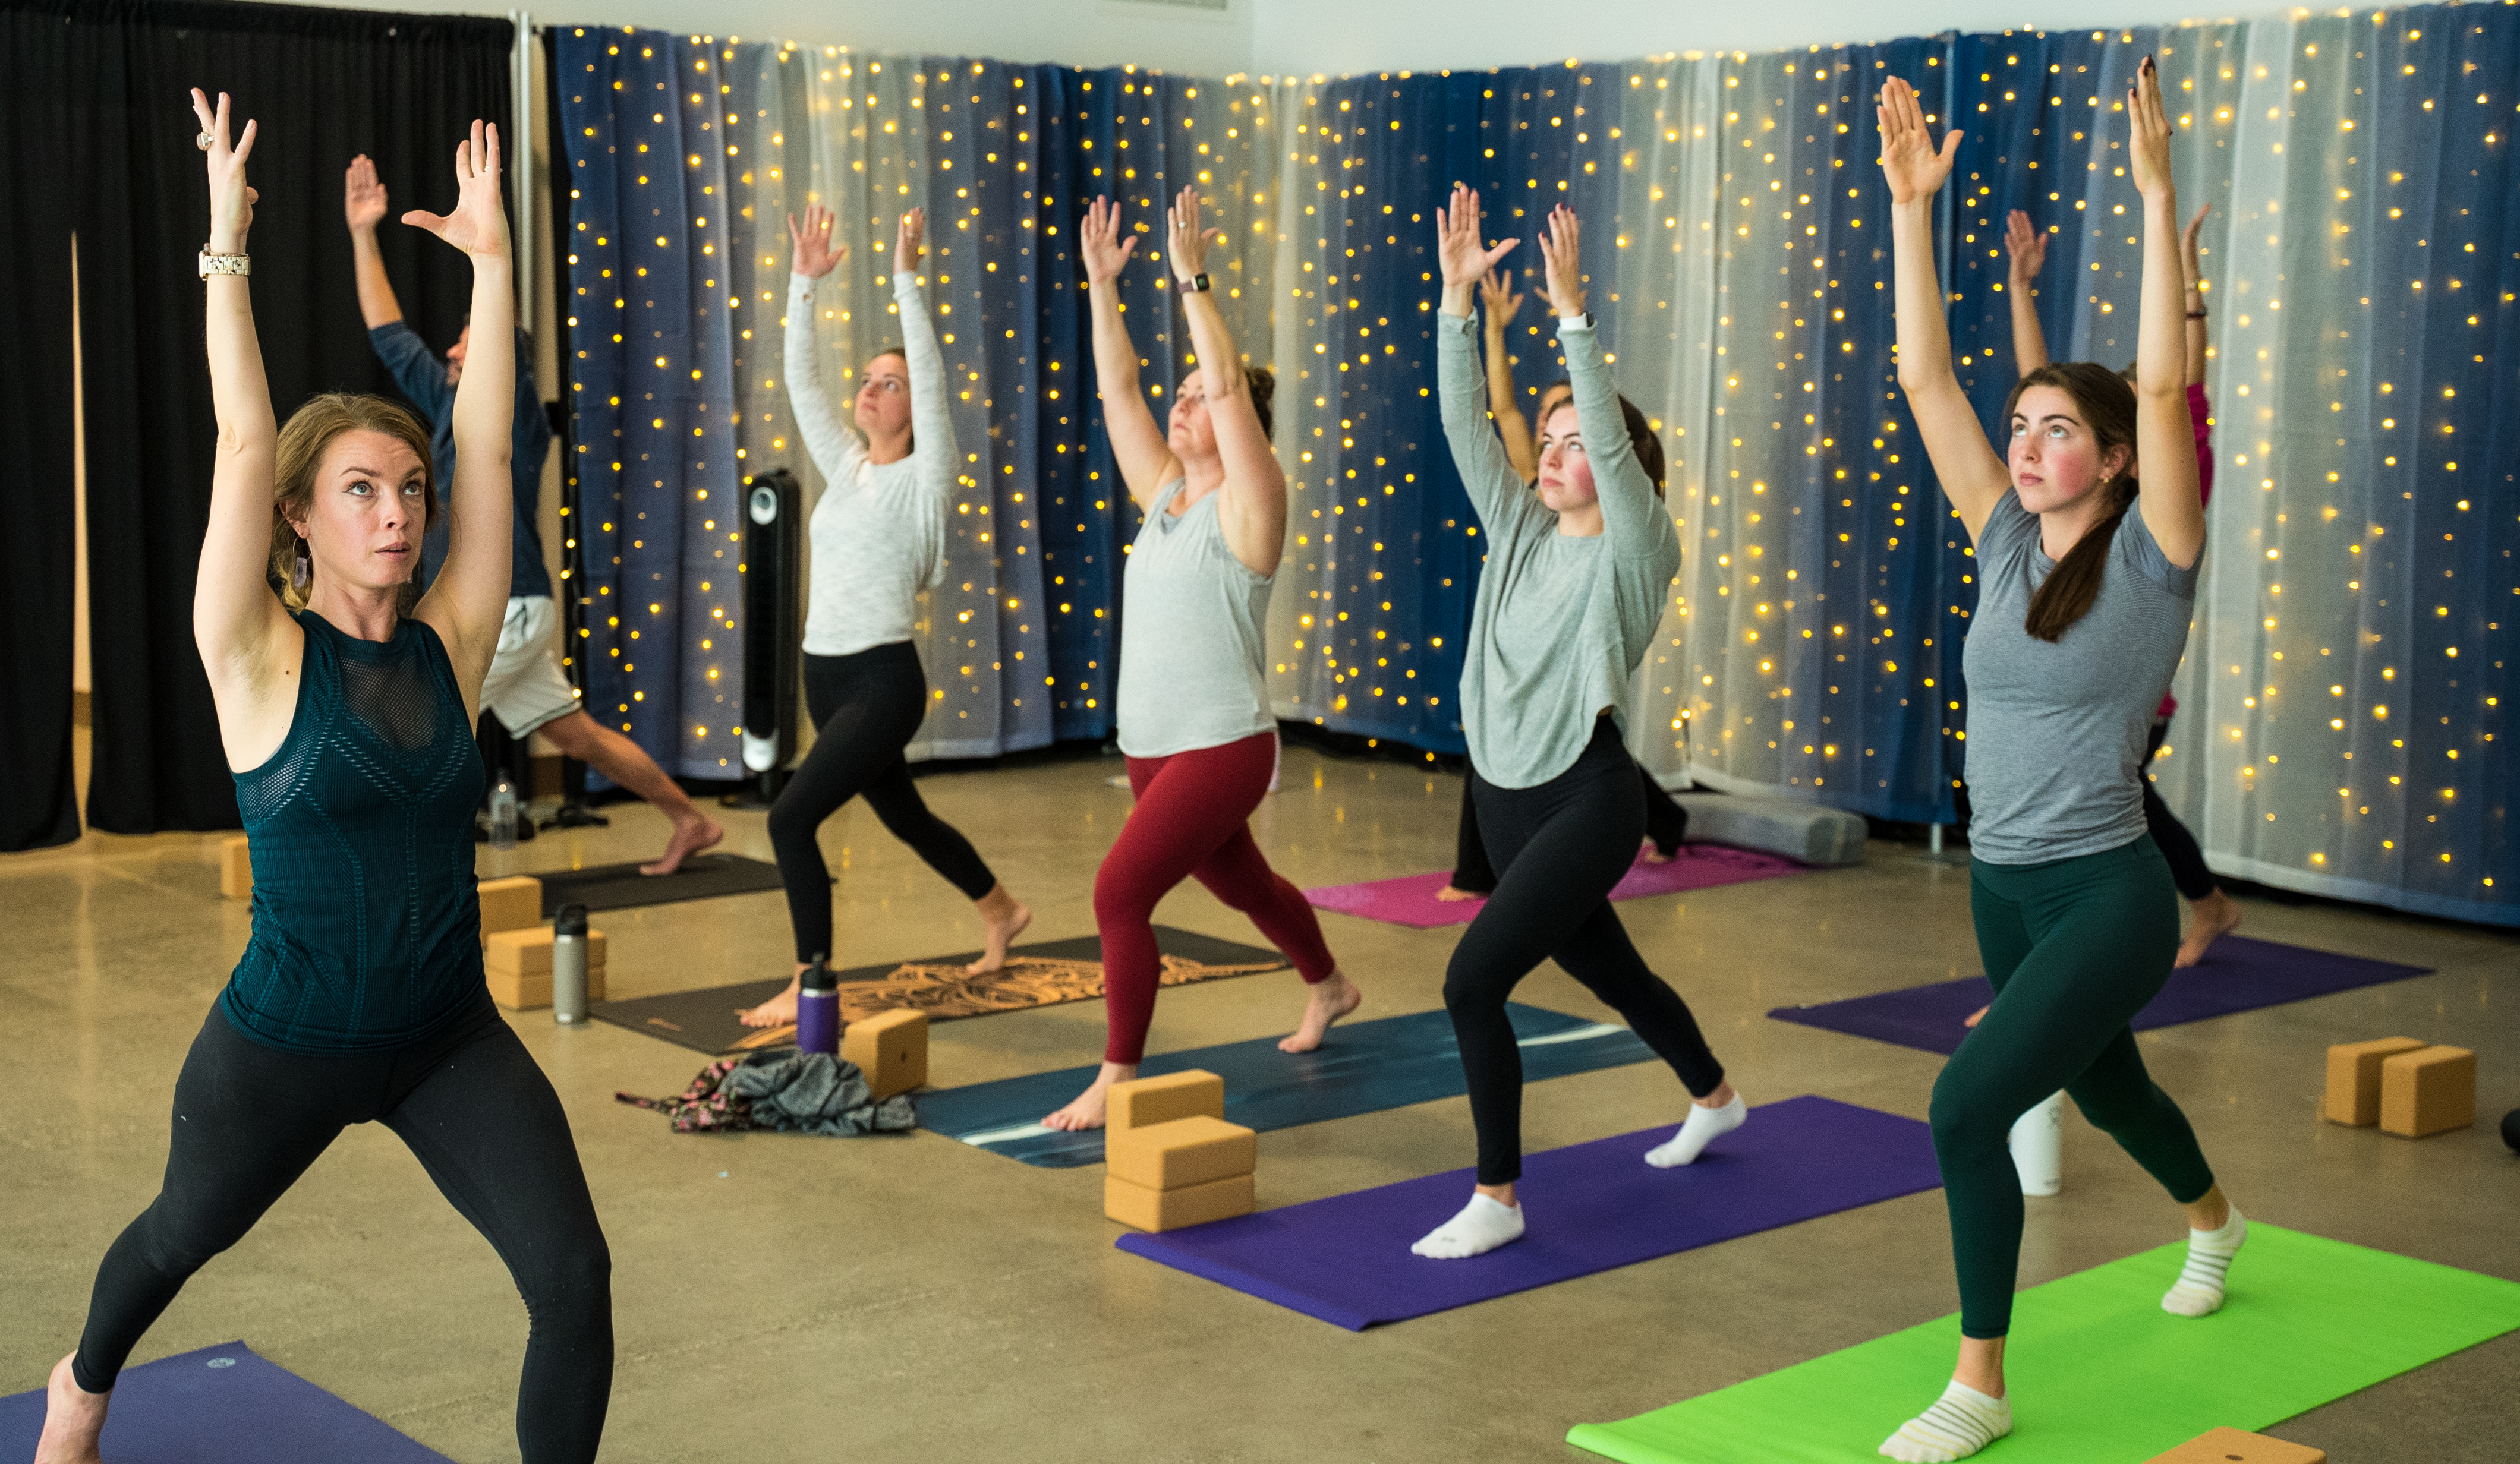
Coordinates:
1576	579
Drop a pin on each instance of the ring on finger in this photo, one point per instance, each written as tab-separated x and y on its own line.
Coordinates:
203	142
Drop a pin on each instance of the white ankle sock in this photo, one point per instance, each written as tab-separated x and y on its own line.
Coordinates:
2198	1291
1482	1225
1960	1422
1703	1127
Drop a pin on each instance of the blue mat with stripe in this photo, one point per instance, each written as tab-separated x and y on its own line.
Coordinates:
1365	1067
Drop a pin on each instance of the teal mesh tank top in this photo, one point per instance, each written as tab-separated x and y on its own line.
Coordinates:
366	926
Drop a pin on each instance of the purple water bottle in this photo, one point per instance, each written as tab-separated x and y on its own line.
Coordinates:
818	1010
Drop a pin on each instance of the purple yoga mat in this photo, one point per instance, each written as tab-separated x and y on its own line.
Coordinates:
222	1405
1590	1208
2237	974
1410	899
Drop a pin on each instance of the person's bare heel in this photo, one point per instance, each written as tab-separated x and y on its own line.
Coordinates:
693	832
1007	917
73	1419
779	1011
1330	998
2208	920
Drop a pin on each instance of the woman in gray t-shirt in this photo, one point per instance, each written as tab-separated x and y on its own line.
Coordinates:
2087	579
1193	713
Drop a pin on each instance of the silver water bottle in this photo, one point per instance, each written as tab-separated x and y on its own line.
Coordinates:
568	966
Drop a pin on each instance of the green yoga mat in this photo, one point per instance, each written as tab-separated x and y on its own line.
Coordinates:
2097	1372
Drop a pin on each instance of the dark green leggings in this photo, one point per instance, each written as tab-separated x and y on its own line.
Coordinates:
2075	949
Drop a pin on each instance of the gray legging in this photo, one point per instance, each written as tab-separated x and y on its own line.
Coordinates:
483	1120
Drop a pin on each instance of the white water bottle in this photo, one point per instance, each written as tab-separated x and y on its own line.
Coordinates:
2039	1146
503	813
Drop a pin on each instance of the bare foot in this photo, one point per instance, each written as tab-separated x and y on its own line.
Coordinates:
692	833
1007	918
1652	855
1332	998
2208	920
1090	1109
73	1418
1978	1015
1448	895
779	1011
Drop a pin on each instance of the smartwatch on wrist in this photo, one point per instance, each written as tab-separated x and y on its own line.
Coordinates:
1196	283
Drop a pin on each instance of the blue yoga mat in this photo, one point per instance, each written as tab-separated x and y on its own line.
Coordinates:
2237	974
1364	1066
222	1405
1588	1208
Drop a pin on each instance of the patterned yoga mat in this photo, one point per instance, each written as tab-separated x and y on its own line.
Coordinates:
1042	974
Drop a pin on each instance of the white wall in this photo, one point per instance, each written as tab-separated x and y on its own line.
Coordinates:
1333	36
1174	37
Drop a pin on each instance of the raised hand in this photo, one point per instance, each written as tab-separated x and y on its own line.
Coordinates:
1497	299
363	198
909	242
1099	241
1563	278
1184	240
2149	149
478	225
1910	160
2027	243
1466	260
814	253
231	200
2188	245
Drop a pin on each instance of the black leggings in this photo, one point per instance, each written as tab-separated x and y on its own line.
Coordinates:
1560	848
2177	846
485	1125
1666	824
868	705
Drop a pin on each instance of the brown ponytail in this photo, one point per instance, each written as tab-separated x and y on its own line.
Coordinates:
2107	405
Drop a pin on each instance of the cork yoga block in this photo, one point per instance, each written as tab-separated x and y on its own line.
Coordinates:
1142	1101
891	1049
528	951
1182	1153
518	991
235	869
510	904
2354	1079
1174	1208
2238	1446
2431	1091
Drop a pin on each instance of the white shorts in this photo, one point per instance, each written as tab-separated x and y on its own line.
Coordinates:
526	687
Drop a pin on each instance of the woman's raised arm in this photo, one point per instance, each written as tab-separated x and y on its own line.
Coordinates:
238	623
834	449
1498	306
469	602
1253	509
1138	445
1973	477
2165	435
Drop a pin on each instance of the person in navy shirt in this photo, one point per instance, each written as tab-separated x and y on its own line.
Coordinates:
526	687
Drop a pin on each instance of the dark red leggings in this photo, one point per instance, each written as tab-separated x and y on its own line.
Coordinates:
1191	822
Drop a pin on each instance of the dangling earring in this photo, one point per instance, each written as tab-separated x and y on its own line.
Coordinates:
304	572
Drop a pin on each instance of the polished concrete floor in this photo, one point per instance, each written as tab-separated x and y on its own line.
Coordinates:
911	1298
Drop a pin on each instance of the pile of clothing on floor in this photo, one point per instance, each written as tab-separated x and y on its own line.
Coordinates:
789	1092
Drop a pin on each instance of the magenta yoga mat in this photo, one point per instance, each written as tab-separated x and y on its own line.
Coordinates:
1410	899
1590	1208
223	1405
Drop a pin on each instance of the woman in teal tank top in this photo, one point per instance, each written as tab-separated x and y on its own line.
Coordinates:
360	996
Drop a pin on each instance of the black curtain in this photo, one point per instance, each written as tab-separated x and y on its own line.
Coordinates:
37	525
324	85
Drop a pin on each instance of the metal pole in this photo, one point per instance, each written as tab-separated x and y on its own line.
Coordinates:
518	145
1934	839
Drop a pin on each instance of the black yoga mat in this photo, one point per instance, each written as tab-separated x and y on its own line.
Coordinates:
1044	973
703	876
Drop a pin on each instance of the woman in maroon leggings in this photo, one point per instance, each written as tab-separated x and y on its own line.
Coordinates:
1193	711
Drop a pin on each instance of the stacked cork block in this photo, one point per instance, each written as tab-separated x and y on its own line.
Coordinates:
2408	1088
235	869
2225	1445
518	966
890	1048
1173	1159
510	904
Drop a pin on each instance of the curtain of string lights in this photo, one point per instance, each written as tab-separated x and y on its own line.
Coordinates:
2342	700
